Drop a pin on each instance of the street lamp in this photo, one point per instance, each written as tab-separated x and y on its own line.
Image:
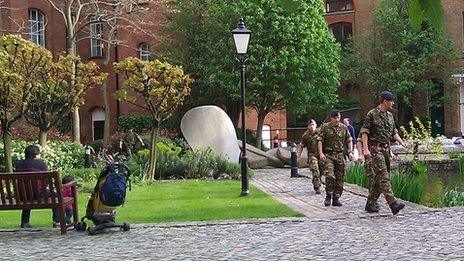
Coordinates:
241	38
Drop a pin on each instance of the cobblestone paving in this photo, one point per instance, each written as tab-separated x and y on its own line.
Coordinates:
421	234
299	194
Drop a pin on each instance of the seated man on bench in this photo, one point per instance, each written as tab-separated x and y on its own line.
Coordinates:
31	163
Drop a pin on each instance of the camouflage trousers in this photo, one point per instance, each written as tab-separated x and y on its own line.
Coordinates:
314	167
334	170
377	171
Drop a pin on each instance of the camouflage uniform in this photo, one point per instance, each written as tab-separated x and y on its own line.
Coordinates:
334	139
380	128
309	141
372	186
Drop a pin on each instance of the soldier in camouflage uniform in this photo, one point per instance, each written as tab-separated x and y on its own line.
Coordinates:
309	141
332	139
377	131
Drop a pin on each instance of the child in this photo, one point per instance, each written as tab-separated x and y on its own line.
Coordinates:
68	193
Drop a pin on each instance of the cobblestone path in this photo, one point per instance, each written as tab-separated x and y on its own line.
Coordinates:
344	233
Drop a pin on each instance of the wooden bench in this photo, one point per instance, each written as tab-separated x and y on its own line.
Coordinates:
26	190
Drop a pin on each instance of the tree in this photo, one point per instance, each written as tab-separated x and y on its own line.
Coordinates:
293	58
401	59
155	86
116	17
20	60
55	95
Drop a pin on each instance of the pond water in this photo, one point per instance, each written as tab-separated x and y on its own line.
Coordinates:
438	184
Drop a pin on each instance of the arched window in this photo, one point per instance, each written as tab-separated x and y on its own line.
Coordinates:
37	27
338	5
144	51
341	32
98	123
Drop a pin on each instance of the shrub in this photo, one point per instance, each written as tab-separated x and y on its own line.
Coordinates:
59	155
138	123
451	198
85	178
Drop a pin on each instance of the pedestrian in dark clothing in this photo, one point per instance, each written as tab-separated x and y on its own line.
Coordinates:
31	163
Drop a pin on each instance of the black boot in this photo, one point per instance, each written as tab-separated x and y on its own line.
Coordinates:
318	190
336	202
371	208
328	199
396	207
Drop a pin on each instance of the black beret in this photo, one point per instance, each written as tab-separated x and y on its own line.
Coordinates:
334	113
386	95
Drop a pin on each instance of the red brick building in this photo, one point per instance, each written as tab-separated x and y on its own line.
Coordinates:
355	17
38	21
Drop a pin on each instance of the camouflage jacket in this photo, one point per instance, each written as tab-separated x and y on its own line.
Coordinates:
309	141
334	138
379	126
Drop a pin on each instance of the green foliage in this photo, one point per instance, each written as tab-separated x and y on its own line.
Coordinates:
461	165
420	136
174	162
85	178
140	124
408	185
426	11
293	58
402	60
454	154
451	198
58	155
355	174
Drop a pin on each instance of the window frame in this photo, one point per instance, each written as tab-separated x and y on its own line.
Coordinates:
37	36
343	26
346	5
144	54
96	47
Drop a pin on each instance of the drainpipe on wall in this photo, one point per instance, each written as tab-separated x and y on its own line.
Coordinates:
118	112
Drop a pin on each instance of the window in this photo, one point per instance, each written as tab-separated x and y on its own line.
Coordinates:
95	40
37	27
144	52
338	5
341	32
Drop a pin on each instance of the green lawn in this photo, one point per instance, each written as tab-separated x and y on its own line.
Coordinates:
177	201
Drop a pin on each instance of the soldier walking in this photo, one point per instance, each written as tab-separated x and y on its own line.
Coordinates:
309	141
332	139
377	131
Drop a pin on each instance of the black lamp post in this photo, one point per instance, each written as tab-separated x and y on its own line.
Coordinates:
241	38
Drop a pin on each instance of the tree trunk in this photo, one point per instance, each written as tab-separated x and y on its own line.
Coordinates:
7	149
152	167
43	138
106	129
259	129
71	50
76	125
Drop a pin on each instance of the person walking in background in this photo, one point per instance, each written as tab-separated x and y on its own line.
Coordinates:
377	131
309	141
332	139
